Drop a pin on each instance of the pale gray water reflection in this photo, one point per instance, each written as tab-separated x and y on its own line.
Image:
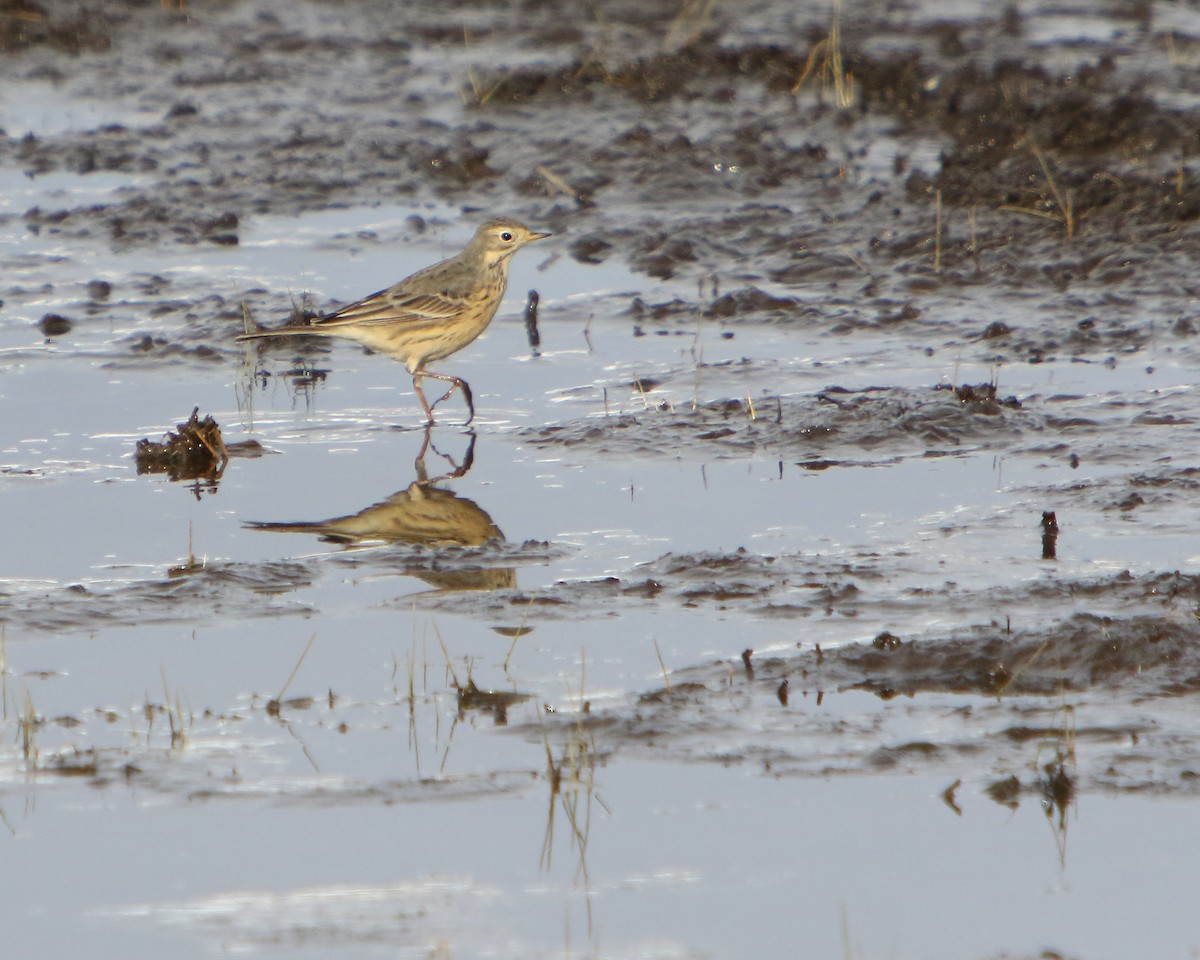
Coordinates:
422	514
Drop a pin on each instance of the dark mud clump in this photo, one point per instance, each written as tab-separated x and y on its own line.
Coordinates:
24	23
1056	153
720	153
1007	697
835	422
1083	652
55	325
194	450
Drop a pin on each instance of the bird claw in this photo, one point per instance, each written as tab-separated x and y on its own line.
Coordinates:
468	398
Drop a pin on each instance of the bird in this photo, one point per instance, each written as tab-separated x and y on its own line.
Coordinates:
433	313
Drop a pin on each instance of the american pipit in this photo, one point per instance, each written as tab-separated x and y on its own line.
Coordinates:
432	314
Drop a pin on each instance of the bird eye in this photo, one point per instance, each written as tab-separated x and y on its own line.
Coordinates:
506	237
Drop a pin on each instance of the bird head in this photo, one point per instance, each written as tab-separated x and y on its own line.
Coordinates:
499	238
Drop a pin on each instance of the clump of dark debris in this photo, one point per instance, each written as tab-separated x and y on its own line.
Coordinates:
195	449
54	325
981	398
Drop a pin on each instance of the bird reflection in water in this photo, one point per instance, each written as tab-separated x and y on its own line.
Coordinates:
422	514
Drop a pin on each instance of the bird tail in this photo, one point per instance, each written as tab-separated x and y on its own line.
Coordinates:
301	320
277	332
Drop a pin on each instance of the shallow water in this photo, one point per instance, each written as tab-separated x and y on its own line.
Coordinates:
409	879
430	829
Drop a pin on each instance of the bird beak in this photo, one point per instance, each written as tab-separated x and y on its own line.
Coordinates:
539	236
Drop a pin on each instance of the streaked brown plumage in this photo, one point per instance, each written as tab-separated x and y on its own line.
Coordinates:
432	314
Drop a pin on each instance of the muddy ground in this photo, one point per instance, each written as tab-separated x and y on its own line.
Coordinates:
1016	186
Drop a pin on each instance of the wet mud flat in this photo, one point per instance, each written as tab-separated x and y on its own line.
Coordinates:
845	511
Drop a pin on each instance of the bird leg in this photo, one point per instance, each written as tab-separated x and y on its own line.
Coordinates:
456	383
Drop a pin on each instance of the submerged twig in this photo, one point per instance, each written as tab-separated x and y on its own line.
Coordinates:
273	705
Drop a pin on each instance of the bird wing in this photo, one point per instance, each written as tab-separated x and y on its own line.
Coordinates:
394	306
